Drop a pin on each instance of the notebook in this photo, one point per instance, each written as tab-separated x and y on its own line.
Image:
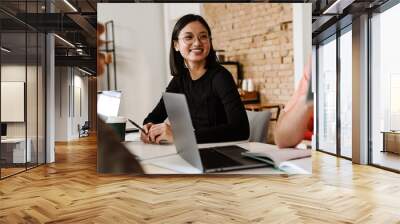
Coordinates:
279	158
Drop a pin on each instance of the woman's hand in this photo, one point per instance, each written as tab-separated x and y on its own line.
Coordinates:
145	137
161	132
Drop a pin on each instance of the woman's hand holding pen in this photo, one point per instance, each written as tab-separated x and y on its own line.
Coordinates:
160	133
157	133
145	136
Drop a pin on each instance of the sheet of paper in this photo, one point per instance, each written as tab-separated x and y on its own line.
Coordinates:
149	151
173	162
298	166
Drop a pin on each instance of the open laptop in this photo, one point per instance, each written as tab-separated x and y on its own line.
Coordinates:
215	159
108	103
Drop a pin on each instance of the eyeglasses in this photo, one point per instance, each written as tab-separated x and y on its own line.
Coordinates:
190	39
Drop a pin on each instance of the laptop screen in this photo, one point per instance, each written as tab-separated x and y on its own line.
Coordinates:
108	103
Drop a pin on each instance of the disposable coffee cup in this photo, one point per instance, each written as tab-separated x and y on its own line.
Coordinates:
245	83
250	85
118	124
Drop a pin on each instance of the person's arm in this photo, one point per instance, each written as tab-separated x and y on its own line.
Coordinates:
292	124
159	113
237	126
293	121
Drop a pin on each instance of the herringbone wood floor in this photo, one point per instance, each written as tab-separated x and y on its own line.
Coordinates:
70	191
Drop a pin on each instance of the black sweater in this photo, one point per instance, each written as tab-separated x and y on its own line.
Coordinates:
217	113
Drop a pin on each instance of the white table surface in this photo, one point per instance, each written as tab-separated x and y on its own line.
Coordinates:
19	150
163	159
13	140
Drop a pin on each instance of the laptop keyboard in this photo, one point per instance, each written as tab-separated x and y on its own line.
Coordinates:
212	159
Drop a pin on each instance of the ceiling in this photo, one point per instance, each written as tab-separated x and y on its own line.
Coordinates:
328	16
76	25
75	21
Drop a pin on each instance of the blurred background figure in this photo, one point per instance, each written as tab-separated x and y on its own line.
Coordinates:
102	58
112	156
294	123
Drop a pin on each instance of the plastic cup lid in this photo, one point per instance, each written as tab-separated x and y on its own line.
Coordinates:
116	120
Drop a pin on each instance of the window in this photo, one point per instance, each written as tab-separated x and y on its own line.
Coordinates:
346	93
327	96
385	88
22	76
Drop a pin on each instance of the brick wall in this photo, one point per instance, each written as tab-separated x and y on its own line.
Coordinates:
259	36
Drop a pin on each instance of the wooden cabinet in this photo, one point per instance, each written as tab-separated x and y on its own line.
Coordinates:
391	141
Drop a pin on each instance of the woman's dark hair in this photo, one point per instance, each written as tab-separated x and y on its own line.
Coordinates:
176	62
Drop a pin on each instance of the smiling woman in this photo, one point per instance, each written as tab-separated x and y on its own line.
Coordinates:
214	103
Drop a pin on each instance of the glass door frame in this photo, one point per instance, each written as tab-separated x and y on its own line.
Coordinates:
387	5
337	34
30	29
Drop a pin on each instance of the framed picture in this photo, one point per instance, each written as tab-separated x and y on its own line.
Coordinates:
234	68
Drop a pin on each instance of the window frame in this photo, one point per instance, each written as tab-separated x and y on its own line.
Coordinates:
381	9
333	37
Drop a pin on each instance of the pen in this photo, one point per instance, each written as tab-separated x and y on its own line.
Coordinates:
136	125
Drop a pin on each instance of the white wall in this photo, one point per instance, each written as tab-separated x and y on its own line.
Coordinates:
82	82
17	73
140	55
33	127
80	102
61	103
302	37
71	92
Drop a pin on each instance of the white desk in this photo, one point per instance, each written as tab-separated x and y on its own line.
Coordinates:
162	159
15	148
